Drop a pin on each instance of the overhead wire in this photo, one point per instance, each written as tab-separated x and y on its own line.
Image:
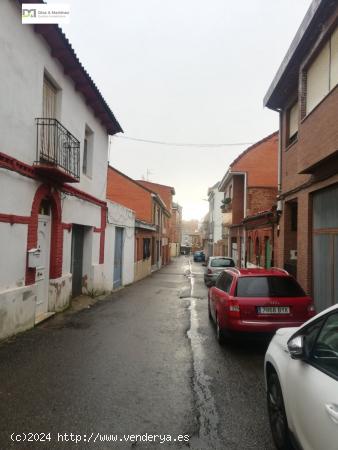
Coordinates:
181	144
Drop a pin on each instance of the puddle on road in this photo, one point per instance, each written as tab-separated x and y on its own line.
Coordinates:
205	403
208	417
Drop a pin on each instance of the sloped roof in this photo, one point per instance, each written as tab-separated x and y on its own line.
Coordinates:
252	147
172	189
64	52
286	78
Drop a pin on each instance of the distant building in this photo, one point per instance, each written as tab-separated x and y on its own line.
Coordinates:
215	246
166	193
250	190
151	215
176	229
305	93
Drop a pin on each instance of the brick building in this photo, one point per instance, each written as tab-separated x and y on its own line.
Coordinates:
304	92
175	230
250	188
166	193
151	221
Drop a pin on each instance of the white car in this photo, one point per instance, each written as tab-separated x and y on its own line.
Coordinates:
301	374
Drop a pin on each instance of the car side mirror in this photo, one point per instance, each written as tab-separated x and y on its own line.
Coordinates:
296	347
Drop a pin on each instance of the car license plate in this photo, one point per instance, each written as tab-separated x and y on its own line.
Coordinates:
273	310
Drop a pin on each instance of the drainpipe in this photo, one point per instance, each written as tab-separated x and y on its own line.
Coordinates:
279	179
244	215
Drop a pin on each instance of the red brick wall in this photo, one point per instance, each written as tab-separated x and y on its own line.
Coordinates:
163	191
125	191
260	163
237	205
260	199
318	133
258	254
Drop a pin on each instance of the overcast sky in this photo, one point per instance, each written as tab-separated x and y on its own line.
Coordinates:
187	71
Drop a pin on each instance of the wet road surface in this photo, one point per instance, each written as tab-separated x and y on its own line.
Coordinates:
145	361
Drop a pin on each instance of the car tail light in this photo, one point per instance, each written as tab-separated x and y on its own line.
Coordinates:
209	271
311	310
234	309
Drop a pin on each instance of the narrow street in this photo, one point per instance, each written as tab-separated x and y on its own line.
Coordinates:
143	361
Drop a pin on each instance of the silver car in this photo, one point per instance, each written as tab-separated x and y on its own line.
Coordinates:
215	265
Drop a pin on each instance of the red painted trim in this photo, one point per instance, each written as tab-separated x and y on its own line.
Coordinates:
45	192
10	163
67	226
103	233
83	195
51	193
14	219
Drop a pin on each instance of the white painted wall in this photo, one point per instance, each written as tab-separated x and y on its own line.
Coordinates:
13	244
119	216
27	57
215	213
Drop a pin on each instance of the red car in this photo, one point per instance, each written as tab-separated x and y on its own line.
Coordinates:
257	300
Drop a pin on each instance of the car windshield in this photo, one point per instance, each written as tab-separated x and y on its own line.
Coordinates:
269	286
222	262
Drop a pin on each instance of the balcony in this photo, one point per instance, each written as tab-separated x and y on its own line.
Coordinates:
226	205
57	152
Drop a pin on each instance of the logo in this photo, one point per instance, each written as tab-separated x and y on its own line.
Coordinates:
28	12
42	13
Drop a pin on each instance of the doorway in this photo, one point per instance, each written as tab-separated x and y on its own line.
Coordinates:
42	271
77	259
118	257
325	248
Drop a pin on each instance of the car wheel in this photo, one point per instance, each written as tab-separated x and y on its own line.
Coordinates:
277	415
219	333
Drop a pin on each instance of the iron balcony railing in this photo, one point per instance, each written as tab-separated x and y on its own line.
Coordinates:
57	147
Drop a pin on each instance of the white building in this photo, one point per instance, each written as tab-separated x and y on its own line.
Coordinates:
215	217
54	127
120	246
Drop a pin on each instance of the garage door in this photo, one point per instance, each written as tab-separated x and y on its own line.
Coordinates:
325	248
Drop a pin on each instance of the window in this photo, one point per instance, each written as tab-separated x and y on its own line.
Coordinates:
322	75
146	248
293	216
228	282
222	262
49	99
224	282
293	122
87	159
310	335
325	351
220	281
270	286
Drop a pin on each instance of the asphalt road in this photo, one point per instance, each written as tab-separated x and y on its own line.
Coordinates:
143	362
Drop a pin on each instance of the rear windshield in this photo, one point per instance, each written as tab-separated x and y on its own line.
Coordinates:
222	262
268	287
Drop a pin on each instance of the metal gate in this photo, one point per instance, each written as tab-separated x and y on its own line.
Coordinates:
77	259
118	257
325	248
